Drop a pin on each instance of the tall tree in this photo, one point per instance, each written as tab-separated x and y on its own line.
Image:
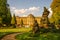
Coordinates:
56	11
21	23
3	6
13	21
5	12
44	20
8	15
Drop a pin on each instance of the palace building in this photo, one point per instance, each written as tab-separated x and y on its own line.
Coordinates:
27	21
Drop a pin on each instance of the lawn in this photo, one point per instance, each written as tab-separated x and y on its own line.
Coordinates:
44	36
4	32
16	30
27	35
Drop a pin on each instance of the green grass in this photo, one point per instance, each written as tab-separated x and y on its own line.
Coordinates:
16	30
50	36
6	31
45	36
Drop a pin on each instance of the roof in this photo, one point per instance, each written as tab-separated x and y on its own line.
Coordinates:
30	15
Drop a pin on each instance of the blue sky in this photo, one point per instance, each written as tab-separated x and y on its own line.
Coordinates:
26	7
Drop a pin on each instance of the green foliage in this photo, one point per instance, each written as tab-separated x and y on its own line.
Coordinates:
50	36
0	20
56	11
26	36
5	12
44	36
9	17
55	5
13	21
3	6
21	23
44	30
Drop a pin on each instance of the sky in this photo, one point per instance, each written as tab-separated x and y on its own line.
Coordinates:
26	7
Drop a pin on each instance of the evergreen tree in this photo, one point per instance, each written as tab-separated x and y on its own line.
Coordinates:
3	6
21	23
13	21
5	12
0	21
8	15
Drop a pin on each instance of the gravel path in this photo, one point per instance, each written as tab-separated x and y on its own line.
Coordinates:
10	36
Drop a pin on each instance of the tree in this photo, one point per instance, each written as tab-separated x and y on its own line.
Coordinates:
58	24
21	23
8	15
55	6
5	12
13	21
3	6
36	27
44	20
0	22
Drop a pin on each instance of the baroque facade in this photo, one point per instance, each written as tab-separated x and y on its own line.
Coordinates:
27	21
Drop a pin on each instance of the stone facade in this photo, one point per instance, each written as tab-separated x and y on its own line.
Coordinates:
27	21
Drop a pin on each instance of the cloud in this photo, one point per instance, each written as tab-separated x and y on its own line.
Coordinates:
50	12
24	16
34	8
13	8
23	11
20	11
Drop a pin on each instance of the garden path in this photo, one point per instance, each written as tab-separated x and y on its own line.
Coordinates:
10	36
